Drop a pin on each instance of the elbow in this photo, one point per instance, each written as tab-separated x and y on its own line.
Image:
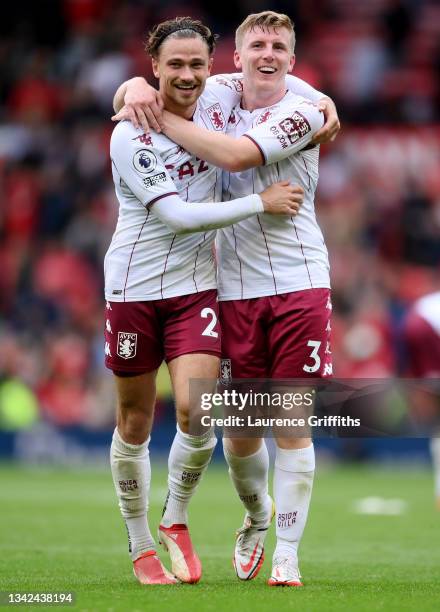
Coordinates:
236	164
179	227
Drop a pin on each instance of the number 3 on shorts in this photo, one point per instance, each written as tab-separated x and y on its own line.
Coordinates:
315	344
209	329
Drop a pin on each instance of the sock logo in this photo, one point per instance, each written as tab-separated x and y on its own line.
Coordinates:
190	476
286	519
248	499
128	485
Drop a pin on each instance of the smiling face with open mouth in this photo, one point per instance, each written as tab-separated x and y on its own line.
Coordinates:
265	57
182	67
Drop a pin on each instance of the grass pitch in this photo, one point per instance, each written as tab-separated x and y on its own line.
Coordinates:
60	530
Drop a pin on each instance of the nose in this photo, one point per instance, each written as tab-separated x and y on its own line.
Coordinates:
186	74
268	53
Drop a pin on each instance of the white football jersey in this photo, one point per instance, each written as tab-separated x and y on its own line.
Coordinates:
146	260
267	254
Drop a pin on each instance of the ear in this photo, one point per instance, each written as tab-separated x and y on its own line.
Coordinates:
155	65
211	61
237	60
291	63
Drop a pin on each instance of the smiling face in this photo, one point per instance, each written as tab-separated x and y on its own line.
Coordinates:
265	56
182	67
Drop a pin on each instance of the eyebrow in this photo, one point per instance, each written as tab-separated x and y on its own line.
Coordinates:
181	59
275	42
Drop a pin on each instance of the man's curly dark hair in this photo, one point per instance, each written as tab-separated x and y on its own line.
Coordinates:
180	27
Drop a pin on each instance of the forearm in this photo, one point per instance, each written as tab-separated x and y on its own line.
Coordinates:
218	149
187	217
119	97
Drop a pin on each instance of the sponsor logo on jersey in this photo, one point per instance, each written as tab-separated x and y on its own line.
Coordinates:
156	178
127	344
145	139
291	129
225	371
216	116
144	161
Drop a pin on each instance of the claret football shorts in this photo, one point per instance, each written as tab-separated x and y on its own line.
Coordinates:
279	336
140	335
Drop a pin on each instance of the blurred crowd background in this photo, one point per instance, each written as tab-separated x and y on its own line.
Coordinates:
378	200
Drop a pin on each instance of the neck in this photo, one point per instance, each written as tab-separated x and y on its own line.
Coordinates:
253	98
182	111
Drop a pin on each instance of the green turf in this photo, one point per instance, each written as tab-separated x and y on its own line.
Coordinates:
61	531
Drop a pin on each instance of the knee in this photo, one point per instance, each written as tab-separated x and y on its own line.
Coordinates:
242	447
183	416
134	422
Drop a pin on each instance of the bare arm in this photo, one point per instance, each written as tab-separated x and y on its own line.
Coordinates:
140	103
232	154
325	104
332	125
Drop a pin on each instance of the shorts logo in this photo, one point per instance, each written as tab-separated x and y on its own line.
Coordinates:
225	371
216	116
127	344
144	161
153	180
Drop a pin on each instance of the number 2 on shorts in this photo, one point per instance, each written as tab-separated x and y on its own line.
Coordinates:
209	329
315	344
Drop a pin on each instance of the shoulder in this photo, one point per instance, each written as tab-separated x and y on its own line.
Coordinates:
301	111
232	81
126	137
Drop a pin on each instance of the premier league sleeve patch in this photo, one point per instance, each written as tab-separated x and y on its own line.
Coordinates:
144	161
127	345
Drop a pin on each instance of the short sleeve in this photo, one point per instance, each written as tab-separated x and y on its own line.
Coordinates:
139	164
302	88
286	132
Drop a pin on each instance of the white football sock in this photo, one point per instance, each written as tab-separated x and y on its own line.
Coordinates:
130	464
293	482
188	459
249	476
435	455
